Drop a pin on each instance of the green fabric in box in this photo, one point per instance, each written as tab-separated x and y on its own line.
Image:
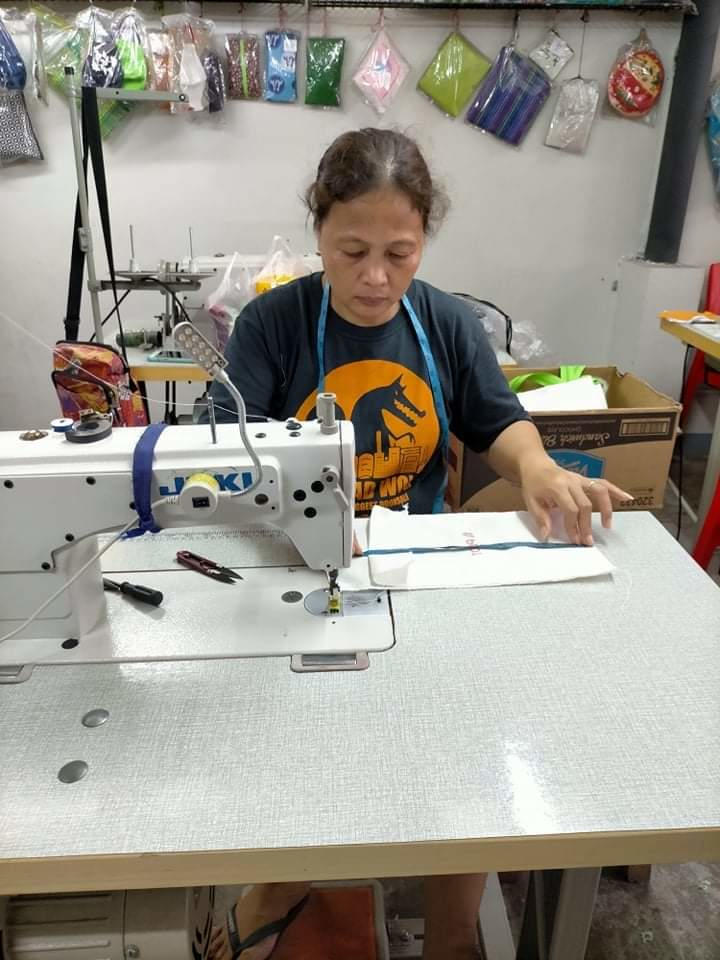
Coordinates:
457	70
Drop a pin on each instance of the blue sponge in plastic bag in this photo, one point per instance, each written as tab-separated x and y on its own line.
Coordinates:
281	65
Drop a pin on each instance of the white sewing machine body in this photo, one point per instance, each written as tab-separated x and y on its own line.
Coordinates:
55	495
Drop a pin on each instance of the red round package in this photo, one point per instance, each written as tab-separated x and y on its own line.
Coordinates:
636	81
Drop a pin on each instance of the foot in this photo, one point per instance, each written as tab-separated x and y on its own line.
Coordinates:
262	905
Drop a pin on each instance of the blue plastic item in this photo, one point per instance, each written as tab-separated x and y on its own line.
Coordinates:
281	65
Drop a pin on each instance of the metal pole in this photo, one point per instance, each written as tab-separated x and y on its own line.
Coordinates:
84	231
693	69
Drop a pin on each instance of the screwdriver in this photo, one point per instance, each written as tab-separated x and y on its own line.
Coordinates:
134	590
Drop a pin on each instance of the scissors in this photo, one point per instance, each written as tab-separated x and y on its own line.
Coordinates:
207	567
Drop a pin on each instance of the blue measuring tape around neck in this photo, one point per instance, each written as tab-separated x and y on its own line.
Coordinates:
432	372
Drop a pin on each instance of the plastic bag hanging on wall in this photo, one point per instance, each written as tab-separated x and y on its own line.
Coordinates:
17	137
24	29
190	37
13	75
281	47
552	55
215	80
713	133
323	71
636	80
161	62
244	62
65	45
511	97
574	115
133	47
381	72
101	67
455	72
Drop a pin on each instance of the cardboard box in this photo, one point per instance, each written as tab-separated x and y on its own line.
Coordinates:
630	444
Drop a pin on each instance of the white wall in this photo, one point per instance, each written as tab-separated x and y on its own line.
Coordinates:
533	229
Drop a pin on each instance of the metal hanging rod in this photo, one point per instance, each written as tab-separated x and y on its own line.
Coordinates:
618	6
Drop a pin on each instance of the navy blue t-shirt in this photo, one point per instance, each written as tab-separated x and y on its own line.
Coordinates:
380	378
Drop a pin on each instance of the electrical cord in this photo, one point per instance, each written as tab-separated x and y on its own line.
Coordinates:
114	310
76	576
176	300
222	377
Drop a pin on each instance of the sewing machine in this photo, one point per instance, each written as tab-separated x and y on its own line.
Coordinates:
55	495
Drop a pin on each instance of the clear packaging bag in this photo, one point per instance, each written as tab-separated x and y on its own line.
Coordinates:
636	80
225	303
162	61
552	55
713	133
17	137
381	72
244	60
193	79
323	71
281	266
13	75
281	47
24	29
65	45
101	67
215	81
190	37
574	115
133	48
511	97
455	72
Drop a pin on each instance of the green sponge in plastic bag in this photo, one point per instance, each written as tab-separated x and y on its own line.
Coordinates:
456	71
324	71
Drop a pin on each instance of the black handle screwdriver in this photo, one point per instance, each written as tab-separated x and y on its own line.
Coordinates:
136	591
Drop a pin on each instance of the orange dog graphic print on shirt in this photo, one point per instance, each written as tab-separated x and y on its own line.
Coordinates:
396	427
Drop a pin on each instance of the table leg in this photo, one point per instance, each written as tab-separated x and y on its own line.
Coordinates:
712	471
496	939
558	914
142	387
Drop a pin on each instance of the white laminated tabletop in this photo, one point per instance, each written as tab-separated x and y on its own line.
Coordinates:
556	725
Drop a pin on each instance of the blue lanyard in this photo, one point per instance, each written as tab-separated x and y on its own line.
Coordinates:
432	372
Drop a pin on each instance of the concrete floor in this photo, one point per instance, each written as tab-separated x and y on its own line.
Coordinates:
676	916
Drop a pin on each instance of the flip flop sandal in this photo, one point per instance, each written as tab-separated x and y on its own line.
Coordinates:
277	927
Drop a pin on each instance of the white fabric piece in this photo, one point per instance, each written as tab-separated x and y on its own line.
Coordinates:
193	79
389	529
580	394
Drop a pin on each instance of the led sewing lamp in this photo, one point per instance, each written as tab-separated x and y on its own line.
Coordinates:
205	355
213	362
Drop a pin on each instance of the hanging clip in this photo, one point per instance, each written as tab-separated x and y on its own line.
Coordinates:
516	29
585	19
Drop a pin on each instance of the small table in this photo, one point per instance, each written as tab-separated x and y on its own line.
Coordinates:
706	338
144	371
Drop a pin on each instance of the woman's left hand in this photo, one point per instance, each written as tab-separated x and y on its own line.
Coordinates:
546	486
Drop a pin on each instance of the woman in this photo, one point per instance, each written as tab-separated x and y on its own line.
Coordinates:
408	364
